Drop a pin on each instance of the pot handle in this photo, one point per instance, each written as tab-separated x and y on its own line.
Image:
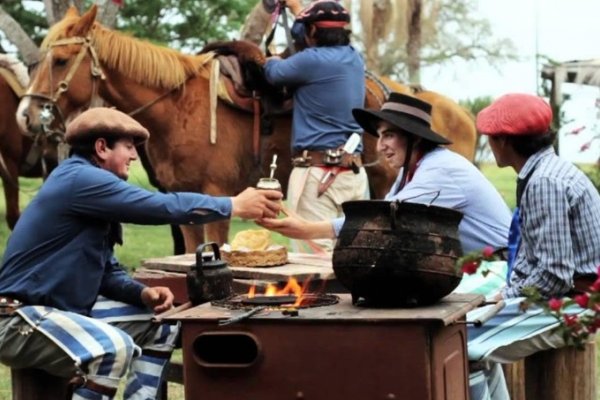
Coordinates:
394	205
215	250
393	212
437	194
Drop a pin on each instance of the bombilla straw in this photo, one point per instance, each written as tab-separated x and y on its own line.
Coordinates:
273	166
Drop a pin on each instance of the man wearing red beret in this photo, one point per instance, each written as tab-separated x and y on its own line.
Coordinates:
553	242
558	206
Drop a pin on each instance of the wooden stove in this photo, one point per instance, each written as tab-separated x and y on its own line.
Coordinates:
335	352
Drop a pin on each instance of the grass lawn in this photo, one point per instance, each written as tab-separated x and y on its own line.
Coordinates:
143	242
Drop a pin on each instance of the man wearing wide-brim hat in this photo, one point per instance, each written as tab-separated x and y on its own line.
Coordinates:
431	174
66	305
427	173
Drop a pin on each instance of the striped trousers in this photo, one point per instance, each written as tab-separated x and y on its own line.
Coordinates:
117	340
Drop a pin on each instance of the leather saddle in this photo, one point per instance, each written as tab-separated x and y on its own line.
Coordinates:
242	77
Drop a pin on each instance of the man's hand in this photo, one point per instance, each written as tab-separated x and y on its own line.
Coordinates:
295	227
254	204
158	298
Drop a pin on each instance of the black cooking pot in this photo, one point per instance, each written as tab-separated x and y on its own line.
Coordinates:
397	253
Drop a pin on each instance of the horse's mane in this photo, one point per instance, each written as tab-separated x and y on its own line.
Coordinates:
15	66
144	62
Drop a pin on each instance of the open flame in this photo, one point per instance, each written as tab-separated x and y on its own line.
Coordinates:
292	287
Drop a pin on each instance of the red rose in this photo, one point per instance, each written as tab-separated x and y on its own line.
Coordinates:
571	320
487	252
594	326
555	304
470	267
582	300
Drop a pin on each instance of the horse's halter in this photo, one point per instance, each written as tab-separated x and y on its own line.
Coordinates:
46	114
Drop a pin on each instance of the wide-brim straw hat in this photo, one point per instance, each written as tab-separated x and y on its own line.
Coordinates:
104	122
407	113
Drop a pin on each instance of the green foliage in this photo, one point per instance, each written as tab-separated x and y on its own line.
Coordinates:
477	104
482	150
181	24
576	330
184	24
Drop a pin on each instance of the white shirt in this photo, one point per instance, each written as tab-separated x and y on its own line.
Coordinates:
446	179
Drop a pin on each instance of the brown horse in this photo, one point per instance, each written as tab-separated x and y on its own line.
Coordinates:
18	156
169	93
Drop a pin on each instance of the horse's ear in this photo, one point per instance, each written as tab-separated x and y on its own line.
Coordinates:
83	26
72	12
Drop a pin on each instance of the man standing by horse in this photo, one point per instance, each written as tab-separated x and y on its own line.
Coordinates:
328	80
66	305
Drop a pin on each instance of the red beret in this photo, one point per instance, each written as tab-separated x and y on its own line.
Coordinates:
515	114
104	122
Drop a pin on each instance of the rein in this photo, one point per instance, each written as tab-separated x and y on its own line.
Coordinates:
47	114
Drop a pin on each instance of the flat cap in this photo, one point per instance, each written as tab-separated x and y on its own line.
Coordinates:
104	122
515	114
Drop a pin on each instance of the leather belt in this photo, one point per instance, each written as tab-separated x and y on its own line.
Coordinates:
81	381
8	306
327	158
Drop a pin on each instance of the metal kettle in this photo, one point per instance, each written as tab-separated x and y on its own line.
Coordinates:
210	279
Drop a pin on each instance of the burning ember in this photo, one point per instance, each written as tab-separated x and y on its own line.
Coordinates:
292	291
291	296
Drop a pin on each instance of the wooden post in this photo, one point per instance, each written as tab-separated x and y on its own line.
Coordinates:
35	384
515	379
565	373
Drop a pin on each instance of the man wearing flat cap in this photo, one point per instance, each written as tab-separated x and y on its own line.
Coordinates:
554	236
66	305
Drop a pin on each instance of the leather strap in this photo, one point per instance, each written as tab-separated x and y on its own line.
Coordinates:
8	305
309	158
327	179
256	128
80	381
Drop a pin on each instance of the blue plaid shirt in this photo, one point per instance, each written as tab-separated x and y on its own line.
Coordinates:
560	232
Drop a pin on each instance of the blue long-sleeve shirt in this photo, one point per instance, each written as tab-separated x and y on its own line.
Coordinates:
446	179
60	253
329	82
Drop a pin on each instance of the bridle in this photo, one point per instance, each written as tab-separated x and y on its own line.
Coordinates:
50	105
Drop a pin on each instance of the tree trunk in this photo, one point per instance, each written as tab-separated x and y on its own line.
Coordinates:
413	45
17	36
107	13
256	24
55	9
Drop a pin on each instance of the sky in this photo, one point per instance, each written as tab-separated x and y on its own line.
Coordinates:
563	30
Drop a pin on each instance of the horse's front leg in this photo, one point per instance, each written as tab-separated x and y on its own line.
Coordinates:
11	193
194	235
217	232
